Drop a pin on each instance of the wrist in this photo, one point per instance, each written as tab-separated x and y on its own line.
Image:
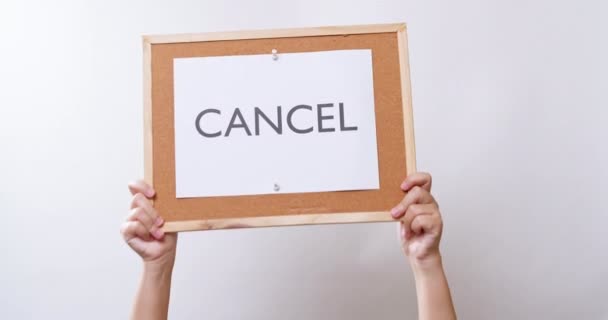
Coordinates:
158	268
427	265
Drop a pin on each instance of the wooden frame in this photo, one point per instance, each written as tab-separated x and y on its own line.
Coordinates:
279	220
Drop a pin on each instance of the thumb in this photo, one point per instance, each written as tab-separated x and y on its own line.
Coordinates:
138	245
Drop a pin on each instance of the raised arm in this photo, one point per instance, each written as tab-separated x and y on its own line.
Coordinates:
142	232
420	232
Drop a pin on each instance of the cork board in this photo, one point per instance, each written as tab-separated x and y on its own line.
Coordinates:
394	129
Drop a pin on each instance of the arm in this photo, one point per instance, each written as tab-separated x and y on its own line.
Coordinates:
142	232
421	227
152	299
432	290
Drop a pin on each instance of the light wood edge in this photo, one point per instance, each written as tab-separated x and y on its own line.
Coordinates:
275	221
275	33
406	96
147	74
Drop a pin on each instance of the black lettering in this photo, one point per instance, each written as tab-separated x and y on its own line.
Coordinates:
290	115
278	127
242	124
342	126
321	117
197	123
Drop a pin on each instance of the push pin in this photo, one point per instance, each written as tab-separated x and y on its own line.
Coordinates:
274	54
276	187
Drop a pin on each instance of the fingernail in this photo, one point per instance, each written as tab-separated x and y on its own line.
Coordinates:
395	212
158	233
403	186
150	193
159	221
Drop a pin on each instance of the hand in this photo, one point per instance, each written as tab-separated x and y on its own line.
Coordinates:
142	229
421	225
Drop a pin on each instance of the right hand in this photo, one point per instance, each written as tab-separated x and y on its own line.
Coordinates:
142	229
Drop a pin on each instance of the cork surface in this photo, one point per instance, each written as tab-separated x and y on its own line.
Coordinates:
389	132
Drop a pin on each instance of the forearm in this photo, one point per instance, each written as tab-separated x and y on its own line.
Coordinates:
432	290
152	300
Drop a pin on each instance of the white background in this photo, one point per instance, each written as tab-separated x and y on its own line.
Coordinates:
242	164
510	112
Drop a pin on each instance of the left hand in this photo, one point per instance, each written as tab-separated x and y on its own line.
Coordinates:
421	225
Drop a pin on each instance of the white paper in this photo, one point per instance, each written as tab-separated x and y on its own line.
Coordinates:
239	164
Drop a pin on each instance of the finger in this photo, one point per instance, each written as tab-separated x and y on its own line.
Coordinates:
140	201
139	214
134	229
421	179
151	225
401	230
140	186
426	224
414	211
415	195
